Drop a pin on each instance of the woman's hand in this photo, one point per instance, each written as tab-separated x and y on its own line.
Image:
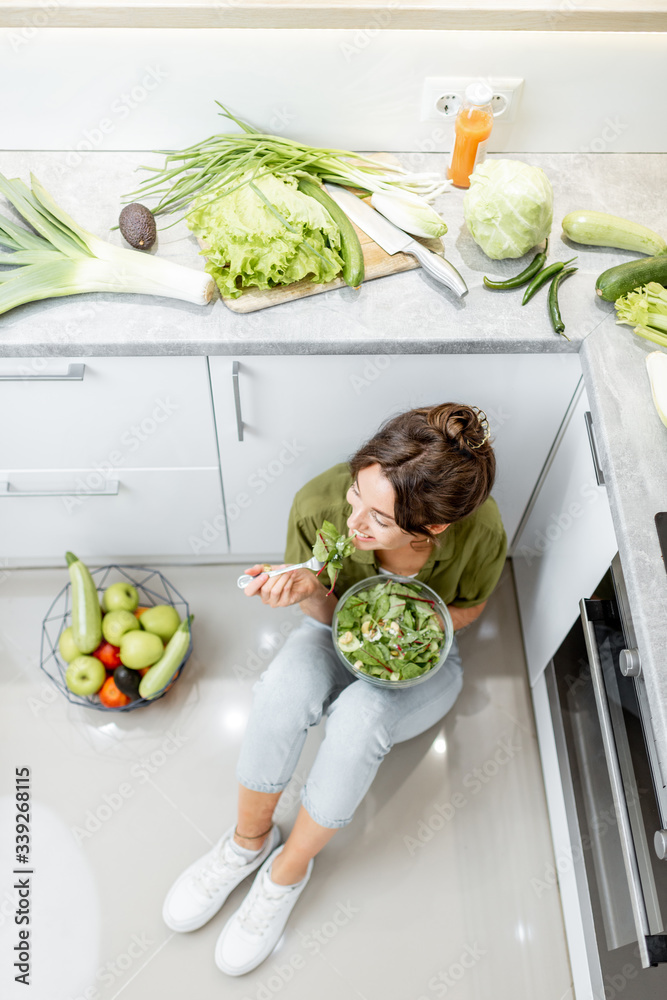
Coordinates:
284	590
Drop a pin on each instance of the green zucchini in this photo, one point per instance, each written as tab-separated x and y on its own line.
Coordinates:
624	278
599	229
156	679
86	610
351	252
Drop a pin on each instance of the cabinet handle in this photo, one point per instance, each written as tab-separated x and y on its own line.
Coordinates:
74	373
237	400
110	490
617	791
599	475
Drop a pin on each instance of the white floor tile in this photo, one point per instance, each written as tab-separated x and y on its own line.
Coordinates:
427	893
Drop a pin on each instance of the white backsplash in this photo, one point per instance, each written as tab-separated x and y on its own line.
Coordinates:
136	89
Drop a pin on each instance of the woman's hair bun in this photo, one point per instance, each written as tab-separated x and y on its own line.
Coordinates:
466	427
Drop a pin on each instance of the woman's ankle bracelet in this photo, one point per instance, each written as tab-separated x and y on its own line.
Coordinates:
256	837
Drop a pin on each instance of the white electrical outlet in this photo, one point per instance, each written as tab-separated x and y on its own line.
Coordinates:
442	96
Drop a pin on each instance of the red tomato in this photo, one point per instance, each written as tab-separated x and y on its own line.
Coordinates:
139	612
111	696
108	655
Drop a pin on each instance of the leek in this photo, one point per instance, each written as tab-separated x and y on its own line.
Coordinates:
226	160
646	307
61	258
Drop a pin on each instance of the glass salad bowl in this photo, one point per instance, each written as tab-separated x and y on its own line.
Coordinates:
388	627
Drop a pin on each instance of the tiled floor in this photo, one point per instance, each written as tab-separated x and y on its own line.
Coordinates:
427	893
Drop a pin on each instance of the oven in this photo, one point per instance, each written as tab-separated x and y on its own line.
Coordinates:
615	797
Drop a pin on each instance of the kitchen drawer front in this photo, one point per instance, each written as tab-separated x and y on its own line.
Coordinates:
137	514
300	415
565	545
101	413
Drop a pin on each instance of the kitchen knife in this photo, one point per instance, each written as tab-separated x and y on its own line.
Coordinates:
394	240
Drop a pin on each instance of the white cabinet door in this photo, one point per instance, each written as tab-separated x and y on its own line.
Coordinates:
565	546
153	513
300	415
101	413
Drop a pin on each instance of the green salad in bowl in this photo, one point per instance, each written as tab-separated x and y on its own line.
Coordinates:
392	631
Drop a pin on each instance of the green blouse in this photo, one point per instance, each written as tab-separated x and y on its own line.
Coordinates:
463	567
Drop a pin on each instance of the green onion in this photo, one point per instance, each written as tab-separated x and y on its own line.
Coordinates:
61	258
225	161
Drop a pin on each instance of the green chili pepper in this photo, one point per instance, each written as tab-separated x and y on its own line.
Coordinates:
524	277
554	310
542	278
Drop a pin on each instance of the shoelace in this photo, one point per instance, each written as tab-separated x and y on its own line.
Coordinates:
221	867
256	914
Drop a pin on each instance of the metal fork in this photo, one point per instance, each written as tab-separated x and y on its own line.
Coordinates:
312	563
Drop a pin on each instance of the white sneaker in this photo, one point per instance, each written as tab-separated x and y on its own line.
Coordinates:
200	891
251	934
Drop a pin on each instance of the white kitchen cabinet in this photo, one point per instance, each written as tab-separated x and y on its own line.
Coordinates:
153	513
98	413
300	415
108	457
565	545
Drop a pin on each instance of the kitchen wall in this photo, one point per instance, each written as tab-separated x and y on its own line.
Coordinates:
136	89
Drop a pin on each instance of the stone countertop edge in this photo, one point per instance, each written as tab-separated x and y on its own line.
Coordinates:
632	447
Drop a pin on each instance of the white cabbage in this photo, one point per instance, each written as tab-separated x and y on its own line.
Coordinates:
509	207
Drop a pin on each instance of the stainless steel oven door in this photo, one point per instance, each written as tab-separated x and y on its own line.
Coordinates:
611	805
622	742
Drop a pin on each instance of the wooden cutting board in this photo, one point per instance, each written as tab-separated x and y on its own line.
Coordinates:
377	264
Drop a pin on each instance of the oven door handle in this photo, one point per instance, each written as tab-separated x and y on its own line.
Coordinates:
618	796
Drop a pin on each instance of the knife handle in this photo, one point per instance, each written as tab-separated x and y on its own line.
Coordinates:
438	267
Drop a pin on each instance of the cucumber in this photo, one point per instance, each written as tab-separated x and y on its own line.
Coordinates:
351	252
599	229
86	610
156	679
624	278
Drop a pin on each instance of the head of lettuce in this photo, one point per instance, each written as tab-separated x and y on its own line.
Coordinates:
508	208
264	233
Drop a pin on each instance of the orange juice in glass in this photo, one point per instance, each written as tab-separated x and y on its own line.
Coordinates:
472	129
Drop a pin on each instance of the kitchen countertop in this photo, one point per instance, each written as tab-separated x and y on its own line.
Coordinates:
408	313
632	445
405	313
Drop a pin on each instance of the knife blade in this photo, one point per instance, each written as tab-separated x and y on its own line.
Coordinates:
394	240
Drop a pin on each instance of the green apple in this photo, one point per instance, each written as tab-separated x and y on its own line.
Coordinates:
85	675
68	648
162	620
140	649
120	597
116	623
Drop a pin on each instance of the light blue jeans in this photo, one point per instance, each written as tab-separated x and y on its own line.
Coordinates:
306	680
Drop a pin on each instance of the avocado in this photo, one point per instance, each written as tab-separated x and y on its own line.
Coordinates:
127	681
137	225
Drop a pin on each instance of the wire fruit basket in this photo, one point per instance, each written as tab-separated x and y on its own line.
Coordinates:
153	588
